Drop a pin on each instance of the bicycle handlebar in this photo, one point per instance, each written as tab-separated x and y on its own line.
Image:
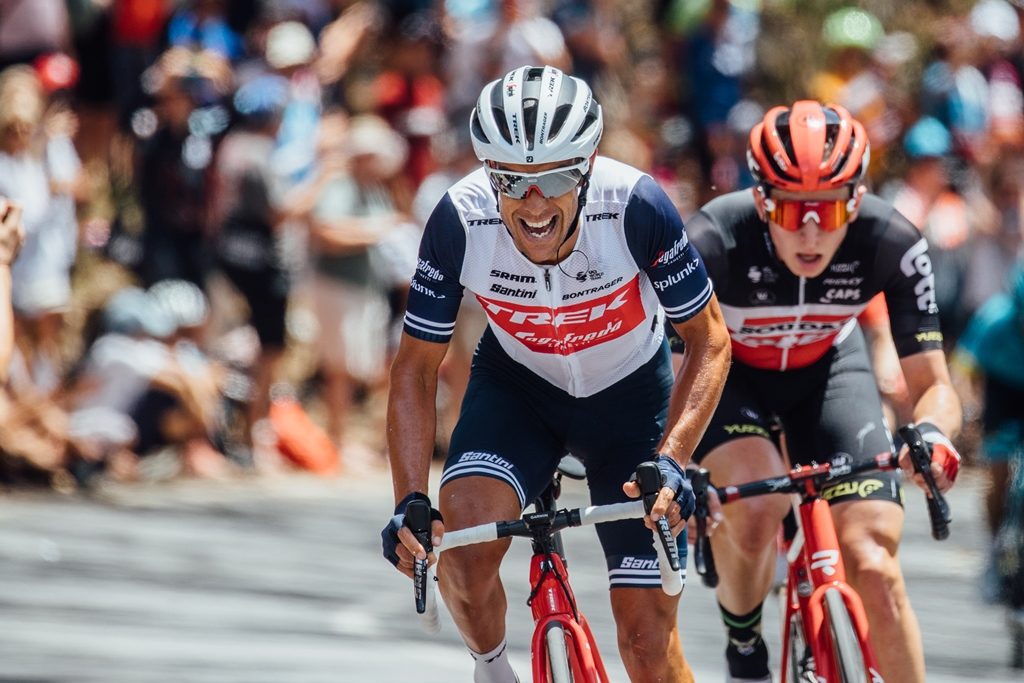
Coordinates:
671	580
938	508
809	480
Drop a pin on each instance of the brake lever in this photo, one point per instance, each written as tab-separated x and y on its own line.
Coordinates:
417	518
649	478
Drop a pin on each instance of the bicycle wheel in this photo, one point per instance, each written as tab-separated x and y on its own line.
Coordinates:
558	654
849	659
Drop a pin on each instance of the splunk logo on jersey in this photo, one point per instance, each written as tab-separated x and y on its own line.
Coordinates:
565	330
484	221
675	278
424	290
672	254
427	270
917	261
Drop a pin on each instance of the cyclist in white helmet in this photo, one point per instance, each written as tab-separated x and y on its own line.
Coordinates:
575	259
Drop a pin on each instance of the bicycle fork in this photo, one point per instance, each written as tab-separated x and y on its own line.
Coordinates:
816	567
552	602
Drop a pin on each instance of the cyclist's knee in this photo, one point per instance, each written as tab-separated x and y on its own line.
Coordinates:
471	570
752	525
643	615
876	575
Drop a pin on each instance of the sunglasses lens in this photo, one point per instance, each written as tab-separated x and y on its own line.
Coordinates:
551	184
792	214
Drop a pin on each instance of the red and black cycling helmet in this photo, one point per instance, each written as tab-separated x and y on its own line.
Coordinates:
808	147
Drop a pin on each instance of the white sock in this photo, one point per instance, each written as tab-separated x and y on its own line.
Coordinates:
493	666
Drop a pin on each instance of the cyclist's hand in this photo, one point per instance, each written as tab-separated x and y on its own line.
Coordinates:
399	543
675	500
945	459
714	517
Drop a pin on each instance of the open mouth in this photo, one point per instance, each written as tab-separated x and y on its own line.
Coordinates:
538	230
809	259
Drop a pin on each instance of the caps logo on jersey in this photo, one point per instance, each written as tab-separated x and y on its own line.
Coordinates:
565	330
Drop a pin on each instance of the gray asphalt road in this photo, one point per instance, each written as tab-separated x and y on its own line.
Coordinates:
281	580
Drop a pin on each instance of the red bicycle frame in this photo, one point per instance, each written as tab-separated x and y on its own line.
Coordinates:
552	601
816	565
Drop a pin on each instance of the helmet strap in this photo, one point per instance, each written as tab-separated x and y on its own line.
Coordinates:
584	185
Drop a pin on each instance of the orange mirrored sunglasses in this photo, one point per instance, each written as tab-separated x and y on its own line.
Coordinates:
791	214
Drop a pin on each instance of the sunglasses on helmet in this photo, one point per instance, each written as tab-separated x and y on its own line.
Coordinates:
791	214
552	183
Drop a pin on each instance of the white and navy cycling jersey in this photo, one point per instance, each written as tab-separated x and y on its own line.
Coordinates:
581	324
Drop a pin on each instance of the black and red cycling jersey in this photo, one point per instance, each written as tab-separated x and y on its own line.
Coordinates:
780	321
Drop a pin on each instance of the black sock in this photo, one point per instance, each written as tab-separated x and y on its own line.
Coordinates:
747	654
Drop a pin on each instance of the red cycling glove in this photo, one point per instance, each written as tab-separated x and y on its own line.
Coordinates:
943	451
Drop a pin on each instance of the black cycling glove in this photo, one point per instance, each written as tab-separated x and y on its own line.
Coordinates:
674	477
389	535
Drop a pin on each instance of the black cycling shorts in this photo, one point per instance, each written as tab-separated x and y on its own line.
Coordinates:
831	406
515	426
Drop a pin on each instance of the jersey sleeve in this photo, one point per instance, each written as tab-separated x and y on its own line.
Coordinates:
435	291
661	248
909	287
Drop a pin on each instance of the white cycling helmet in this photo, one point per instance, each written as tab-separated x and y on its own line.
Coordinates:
536	115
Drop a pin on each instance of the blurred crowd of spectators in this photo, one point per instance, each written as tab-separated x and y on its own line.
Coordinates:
222	199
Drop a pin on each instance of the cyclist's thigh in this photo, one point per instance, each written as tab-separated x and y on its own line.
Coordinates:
864	525
505	431
841	412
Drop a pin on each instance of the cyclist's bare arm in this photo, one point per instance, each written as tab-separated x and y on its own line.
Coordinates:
695	394
411	425
699	382
933	397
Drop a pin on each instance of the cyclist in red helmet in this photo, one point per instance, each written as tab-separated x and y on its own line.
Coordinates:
793	262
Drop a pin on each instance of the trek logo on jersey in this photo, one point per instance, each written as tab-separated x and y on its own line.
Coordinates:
567	329
484	221
916	260
427	270
603	216
676	278
672	254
